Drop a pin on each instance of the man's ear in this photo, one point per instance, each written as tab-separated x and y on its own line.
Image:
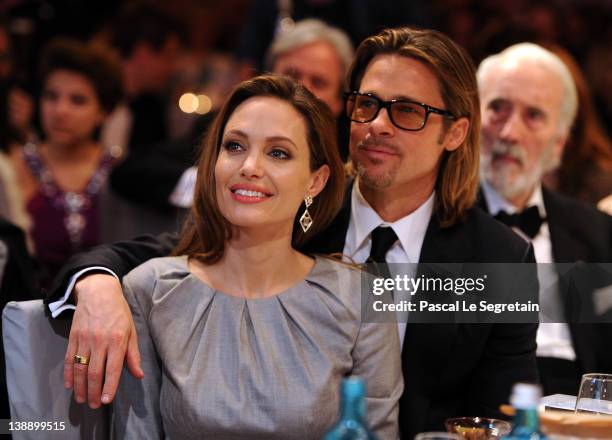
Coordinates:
456	134
318	181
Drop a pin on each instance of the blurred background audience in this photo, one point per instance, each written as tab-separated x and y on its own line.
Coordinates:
148	42
312	52
179	60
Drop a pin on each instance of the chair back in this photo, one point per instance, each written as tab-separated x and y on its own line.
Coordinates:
35	346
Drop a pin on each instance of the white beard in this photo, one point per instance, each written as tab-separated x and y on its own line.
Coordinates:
510	182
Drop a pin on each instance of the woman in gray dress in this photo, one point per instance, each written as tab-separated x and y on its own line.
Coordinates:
242	336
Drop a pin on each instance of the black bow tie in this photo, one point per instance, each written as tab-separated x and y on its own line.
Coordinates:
528	221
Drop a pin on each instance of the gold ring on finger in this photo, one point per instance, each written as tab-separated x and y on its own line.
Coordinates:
83	360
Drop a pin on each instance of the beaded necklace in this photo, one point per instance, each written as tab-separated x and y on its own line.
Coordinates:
73	204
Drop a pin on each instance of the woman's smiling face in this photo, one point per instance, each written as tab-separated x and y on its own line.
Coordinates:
262	172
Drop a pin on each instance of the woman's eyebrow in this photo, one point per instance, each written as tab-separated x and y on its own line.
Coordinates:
281	138
235	133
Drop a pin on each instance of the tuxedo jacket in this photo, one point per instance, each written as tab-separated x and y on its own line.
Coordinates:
579	233
449	369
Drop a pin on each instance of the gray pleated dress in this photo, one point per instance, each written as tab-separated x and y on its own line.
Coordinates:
222	367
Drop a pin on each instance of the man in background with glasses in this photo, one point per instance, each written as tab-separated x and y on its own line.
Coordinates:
414	109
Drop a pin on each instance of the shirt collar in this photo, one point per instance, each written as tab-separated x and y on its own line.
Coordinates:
496	202
409	229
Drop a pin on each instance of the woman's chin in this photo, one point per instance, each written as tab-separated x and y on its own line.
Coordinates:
258	226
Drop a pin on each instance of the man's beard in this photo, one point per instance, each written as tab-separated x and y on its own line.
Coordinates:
511	183
381	180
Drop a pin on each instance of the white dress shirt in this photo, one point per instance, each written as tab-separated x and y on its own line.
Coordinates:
410	231
182	195
57	307
553	339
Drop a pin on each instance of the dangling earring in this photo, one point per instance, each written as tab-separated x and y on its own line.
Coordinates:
306	219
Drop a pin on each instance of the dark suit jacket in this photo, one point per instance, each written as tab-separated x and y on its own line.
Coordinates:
148	175
580	233
449	369
20	281
456	369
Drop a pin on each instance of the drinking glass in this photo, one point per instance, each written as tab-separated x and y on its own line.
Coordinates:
478	428
595	395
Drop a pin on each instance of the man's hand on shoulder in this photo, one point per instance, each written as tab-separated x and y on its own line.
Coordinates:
103	330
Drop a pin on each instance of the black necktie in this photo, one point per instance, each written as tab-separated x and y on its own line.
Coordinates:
528	220
382	240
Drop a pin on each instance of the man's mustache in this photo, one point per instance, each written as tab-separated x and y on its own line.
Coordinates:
374	141
516	152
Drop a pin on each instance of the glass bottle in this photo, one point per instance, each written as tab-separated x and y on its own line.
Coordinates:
352	424
526	424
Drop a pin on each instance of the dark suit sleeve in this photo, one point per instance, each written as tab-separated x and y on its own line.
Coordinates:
20	280
149	176
135	180
509	357
120	257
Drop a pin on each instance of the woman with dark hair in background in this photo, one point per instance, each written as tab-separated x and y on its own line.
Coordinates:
586	167
61	177
241	334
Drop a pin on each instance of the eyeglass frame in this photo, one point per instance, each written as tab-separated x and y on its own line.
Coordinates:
387	106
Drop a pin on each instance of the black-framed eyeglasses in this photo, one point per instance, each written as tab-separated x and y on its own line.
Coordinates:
403	113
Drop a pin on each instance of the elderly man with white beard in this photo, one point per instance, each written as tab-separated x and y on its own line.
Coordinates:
528	104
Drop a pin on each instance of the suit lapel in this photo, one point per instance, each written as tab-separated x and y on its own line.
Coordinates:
445	245
565	248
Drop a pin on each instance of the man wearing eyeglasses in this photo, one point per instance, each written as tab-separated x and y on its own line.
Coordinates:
414	108
415	114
